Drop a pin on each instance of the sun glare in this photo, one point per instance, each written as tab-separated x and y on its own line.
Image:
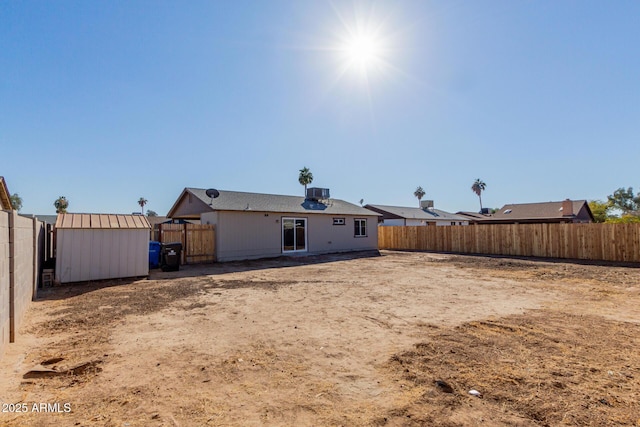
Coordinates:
363	42
362	51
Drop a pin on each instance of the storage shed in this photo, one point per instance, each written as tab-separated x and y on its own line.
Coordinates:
101	246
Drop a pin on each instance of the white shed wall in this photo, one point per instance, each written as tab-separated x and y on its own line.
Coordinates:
96	254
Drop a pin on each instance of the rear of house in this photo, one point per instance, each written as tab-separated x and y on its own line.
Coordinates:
254	225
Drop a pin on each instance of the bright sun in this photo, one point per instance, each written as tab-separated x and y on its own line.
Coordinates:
365	44
362	50
361	53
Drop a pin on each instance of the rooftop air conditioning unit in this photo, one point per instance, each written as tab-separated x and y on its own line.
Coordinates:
426	204
315	193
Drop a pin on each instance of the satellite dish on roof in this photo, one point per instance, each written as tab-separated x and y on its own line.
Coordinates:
213	193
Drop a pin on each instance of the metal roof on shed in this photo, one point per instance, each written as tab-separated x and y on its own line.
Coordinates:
101	221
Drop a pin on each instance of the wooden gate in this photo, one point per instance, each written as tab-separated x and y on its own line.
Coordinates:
198	241
201	243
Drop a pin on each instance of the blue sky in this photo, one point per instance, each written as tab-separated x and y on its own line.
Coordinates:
104	102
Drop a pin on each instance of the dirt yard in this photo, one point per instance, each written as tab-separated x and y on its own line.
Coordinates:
391	340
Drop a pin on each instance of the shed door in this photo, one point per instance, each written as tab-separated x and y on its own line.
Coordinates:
294	234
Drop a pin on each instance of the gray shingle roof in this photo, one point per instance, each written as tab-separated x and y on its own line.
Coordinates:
241	201
544	210
535	212
418	213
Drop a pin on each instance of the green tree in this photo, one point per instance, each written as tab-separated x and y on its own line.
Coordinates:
16	202
151	213
625	201
305	178
142	202
624	219
419	193
478	187
61	204
600	210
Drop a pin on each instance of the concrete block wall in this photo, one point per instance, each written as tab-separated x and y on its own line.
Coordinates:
5	325
20	247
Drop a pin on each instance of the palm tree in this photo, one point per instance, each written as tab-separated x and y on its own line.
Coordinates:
142	202
478	187
305	178
419	193
61	204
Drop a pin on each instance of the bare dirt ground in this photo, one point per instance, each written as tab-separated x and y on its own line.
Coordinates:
396	339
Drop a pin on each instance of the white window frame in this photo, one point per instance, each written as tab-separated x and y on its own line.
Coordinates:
355	221
306	235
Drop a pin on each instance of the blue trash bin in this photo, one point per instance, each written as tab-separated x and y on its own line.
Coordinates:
154	254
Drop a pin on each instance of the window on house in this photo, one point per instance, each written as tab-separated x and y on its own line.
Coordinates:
338	221
360	227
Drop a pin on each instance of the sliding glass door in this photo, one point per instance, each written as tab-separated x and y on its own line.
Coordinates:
294	234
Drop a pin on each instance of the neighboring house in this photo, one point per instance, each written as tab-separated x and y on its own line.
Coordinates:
49	219
5	196
253	225
101	246
155	221
426	215
567	211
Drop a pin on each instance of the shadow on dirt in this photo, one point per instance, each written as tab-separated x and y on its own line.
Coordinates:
471	258
199	270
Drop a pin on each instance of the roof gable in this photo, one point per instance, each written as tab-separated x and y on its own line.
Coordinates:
189	205
5	196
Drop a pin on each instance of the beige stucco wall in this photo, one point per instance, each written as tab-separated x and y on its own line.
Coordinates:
248	235
96	254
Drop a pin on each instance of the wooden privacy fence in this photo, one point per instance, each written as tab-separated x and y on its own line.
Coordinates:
198	241
606	242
